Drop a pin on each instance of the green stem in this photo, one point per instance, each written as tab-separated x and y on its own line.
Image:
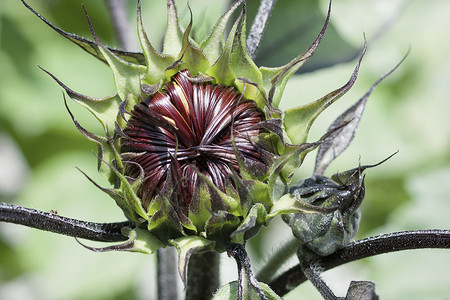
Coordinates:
277	260
203	276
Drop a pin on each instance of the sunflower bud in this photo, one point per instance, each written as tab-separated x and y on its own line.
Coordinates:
197	152
343	194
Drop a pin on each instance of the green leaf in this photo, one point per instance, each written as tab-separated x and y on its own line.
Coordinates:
298	121
340	139
187	246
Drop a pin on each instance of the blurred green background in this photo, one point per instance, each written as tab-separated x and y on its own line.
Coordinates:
409	112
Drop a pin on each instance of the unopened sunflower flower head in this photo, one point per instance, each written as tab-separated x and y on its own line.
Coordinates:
194	145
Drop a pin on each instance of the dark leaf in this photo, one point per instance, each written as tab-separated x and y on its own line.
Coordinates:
361	290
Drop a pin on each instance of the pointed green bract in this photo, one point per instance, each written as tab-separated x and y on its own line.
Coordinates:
229	291
156	62
104	109
144	241
213	44
187	246
298	121
254	219
243	66
200	208
173	39
221	70
275	79
290	204
192	57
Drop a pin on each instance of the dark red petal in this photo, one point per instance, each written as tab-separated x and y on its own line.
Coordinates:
188	128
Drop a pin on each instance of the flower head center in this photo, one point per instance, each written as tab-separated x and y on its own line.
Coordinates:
188	130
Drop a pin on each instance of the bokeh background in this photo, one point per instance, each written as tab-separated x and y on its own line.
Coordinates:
409	112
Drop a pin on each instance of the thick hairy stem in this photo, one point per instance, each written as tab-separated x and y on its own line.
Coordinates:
385	243
258	26
103	232
121	24
203	276
167	274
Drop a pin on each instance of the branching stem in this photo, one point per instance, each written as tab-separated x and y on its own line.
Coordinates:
385	243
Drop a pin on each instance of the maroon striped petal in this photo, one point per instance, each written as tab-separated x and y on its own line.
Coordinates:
185	129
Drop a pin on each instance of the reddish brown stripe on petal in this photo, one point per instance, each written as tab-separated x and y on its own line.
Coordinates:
185	129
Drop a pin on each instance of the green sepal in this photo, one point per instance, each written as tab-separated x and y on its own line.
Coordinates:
143	241
245	169
219	227
255	218
200	208
173	38
221	69
290	204
104	151
104	109
229	291
187	246
164	222
213	44
293	161
156	63
127	76
297	121
243	66
259	192
117	195
227	202
275	79
127	191
90	46
128	186
192	58
285	165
